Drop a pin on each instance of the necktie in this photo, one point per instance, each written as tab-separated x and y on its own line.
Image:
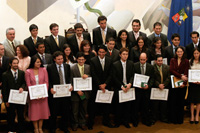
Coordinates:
82	71
102	64
15	76
124	74
79	42
110	53
161	75
34	40
56	39
142	69
0	62
136	36
43	59
103	36
13	46
61	75
196	46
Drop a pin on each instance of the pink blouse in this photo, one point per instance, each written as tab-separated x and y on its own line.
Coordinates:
24	63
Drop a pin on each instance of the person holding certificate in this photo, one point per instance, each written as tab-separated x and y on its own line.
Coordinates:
14	79
162	81
179	66
79	99
194	92
38	108
142	93
58	73
101	68
123	71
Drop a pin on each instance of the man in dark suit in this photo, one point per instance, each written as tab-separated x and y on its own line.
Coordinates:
112	52
102	33
45	57
135	33
59	73
195	43
75	40
142	94
162	81
101	77
31	41
79	99
170	50
123	71
54	42
157	27
14	79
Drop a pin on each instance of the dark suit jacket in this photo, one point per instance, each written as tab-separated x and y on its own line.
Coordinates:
189	50
134	41
163	39
135	54
4	66
118	74
51	45
48	58
149	72
100	76
28	42
8	82
72	41
166	76
97	37
115	55
54	75
118	45
181	69
169	53
76	73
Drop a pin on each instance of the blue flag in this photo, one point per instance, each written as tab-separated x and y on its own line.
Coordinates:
181	20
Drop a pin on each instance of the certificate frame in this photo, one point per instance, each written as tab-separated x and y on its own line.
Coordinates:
139	78
158	94
194	75
176	82
38	91
62	92
87	84
14	97
107	93
130	92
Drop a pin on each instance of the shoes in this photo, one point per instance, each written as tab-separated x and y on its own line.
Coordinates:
108	125
67	131
196	122
191	122
126	125
52	131
90	127
135	123
83	128
147	123
116	125
153	122
74	128
164	120
40	131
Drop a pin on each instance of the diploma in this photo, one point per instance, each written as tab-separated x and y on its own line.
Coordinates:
157	94
127	96
17	98
38	91
104	97
139	79
194	76
0	97
81	84
164	61
176	82
62	90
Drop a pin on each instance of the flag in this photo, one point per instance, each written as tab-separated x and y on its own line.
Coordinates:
181	20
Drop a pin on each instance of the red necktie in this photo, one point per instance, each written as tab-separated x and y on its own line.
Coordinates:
110	53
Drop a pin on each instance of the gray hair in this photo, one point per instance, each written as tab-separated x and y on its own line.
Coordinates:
8	29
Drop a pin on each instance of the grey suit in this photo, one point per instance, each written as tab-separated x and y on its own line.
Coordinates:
9	51
79	107
163	39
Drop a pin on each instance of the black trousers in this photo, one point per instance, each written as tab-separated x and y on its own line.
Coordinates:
11	117
59	106
159	110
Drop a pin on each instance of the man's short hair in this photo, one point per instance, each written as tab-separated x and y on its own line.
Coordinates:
78	25
102	47
101	18
194	32
8	29
123	49
158	56
33	26
136	21
175	35
57	53
53	25
38	44
157	24
80	54
110	39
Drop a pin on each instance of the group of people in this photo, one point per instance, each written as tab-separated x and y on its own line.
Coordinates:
111	61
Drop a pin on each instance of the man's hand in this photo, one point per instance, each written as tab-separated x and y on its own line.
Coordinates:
52	91
85	76
161	86
80	93
21	90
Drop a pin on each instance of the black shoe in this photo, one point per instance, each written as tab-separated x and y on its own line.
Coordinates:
196	122
191	122
126	125
147	123
108	125
83	128
74	128
135	123
53	131
153	122
90	127
164	120
67	131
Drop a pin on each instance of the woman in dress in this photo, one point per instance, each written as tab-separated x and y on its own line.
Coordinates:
123	40
86	49
38	108
68	55
179	66
23	57
194	91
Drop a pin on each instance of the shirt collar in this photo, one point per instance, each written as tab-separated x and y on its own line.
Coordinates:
101	59
33	38
143	64
105	30
59	65
10	41
156	35
196	43
54	36
78	37
13	72
41	54
123	63
136	33
80	66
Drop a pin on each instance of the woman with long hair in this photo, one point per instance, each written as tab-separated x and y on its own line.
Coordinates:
68	55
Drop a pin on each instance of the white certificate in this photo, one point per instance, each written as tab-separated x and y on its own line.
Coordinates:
81	84
194	76
62	90
164	61
0	97
157	94
139	78
38	91
17	98
127	96
104	97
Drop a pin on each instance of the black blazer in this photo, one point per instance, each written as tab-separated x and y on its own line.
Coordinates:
100	76
118	74
97	37
149	72
134	41
48	58
8	82
4	66
169	53
72	41
51	45
118	45
189	50
163	39
28	42
115	55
